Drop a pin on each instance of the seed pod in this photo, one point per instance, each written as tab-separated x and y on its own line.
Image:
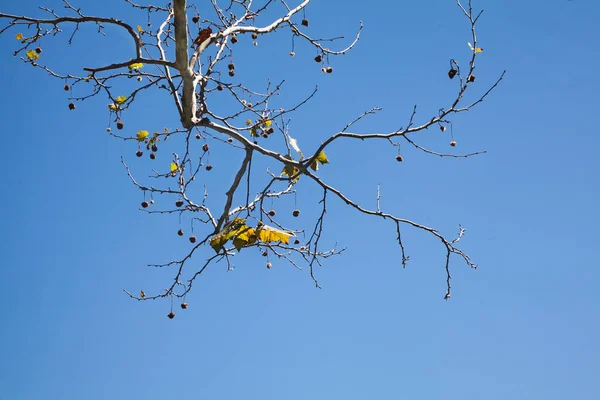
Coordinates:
319	58
305	22
452	73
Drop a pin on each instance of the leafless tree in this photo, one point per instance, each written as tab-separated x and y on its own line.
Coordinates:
193	68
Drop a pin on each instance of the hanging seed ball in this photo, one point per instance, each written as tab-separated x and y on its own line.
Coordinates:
154	148
471	78
264	135
139	153
249	105
295	213
270	130
230	140
184	305
453	143
319	58
120	125
302	248
198	136
452	73
269	265
139	78
292	53
265	253
323	69
231	72
442	128
179	203
329	70
192	239
234	39
205	147
195	19
38	50
152	201
305	22
180	232
272	213
71	106
297	241
152	156
144	204
231	66
219	87
399	158
67	87
209	167
171	315
255	36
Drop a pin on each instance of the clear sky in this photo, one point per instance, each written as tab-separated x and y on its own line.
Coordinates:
525	325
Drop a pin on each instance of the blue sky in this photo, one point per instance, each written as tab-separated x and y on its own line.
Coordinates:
523	326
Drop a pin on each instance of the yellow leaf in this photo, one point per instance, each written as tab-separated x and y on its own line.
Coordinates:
245	237
236	229
268	234
121	99
248	122
139	28
142	294
289	171
19	36
173	167
476	50
321	158
32	55
113	107
253	132
141	136
267	123
135	66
